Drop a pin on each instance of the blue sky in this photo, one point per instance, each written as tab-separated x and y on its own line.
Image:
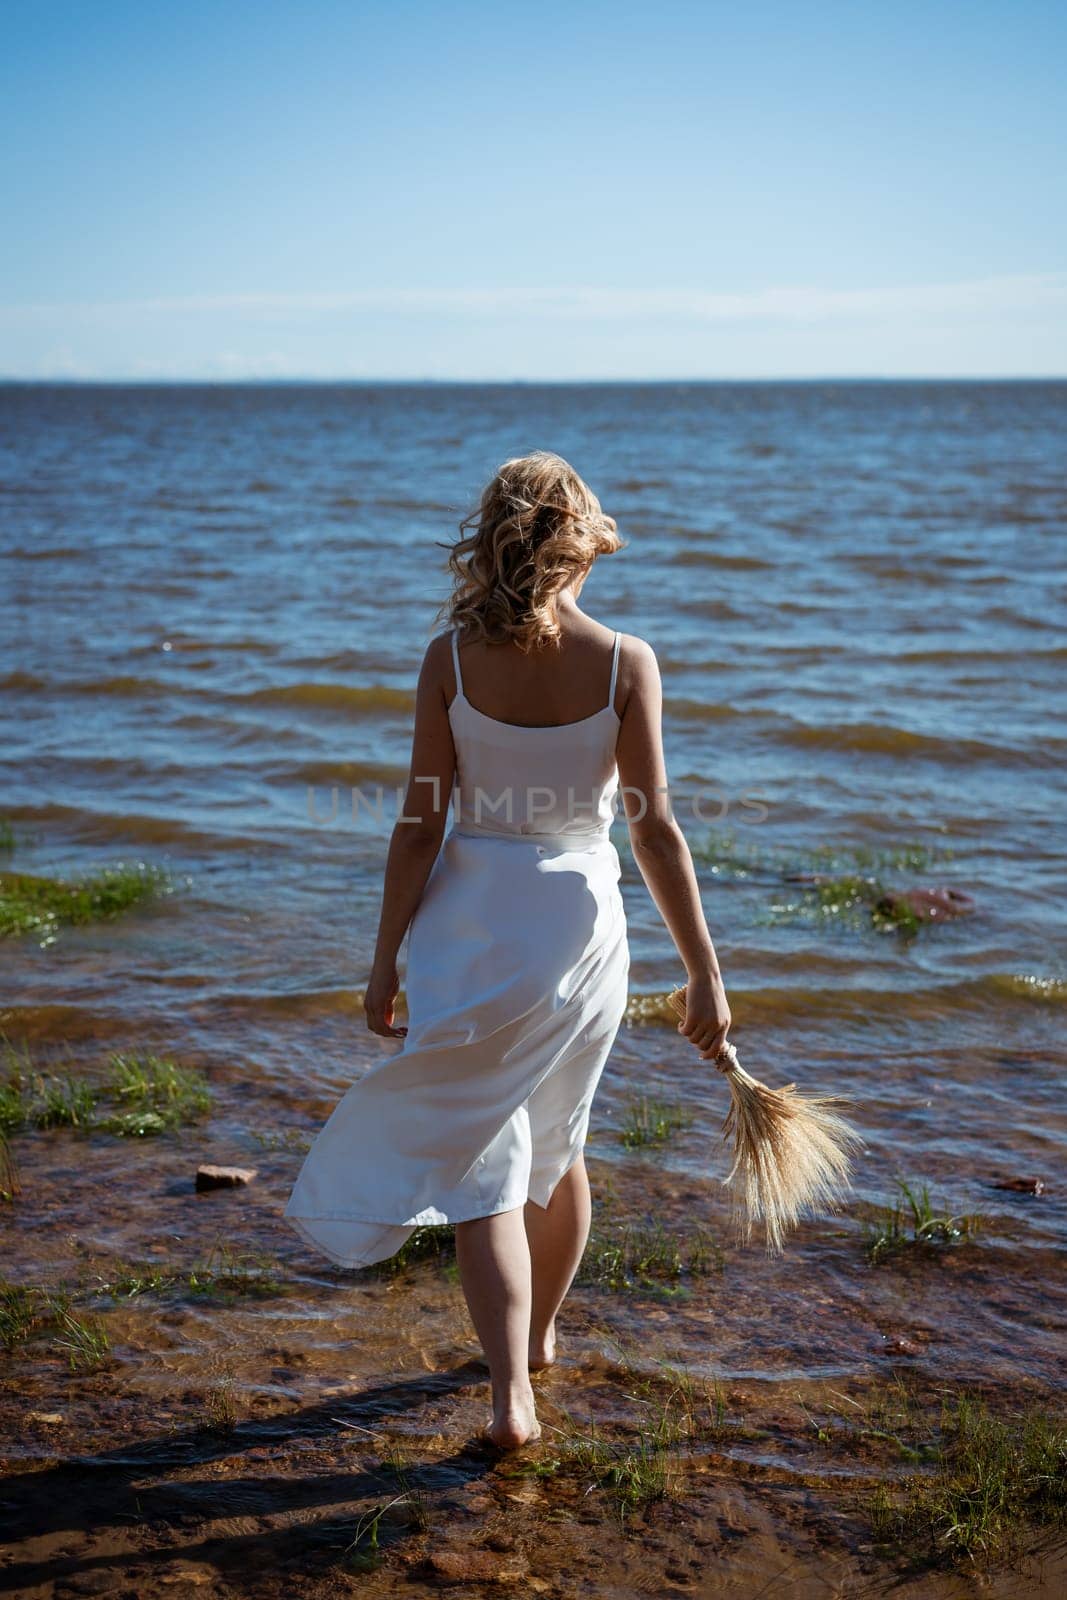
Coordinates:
415	190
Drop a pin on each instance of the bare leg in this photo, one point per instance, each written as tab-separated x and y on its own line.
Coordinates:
557	1236
494	1269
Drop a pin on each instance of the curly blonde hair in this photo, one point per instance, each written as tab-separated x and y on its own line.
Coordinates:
537	527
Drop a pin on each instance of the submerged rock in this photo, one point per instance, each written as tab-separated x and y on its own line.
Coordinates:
474	1566
929	905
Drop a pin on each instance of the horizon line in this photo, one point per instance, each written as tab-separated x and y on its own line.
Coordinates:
312	381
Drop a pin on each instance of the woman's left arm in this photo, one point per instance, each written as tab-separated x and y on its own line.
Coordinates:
417	834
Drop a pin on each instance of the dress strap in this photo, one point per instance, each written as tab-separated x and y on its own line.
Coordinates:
614	670
455	662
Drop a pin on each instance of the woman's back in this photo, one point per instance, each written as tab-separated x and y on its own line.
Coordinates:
554	776
564	681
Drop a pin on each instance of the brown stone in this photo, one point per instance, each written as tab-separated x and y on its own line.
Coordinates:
474	1566
209	1177
1020	1185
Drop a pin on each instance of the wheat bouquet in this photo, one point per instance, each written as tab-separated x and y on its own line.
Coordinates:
791	1149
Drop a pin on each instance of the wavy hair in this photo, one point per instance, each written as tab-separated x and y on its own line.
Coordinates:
537	527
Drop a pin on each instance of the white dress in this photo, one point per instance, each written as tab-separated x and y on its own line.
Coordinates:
517	977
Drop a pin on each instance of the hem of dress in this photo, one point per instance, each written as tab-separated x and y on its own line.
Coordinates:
298	1222
390	1222
558	1179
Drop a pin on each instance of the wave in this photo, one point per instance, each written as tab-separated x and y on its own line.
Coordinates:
877	1006
863	738
353	699
352	774
959	657
405	503
334	697
714	558
61	552
120	827
877	738
22	681
1029	986
703	710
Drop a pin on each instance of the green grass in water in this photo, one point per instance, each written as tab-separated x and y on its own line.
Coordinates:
678	1411
729	856
29	1311
224	1273
407	1507
40	906
851	900
229	1274
631	1471
651	1121
155	1094
911	1223
7	837
284	1139
851	890
139	1095
995	1481
647	1258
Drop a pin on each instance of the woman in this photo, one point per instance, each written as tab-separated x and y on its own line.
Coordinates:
517	953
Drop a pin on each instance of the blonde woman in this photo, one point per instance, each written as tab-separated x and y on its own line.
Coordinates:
529	715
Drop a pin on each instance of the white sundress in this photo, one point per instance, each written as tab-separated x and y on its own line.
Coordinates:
516	984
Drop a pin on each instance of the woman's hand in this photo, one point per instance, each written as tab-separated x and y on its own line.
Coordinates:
707	1014
378	1000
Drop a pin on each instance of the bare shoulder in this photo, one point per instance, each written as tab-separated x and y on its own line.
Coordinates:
637	659
436	672
638	671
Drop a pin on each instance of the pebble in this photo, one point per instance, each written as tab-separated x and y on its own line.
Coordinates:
211	1177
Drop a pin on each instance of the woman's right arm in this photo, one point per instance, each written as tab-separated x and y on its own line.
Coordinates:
660	847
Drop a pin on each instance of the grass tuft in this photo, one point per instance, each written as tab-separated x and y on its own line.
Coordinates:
853	901
140	1095
911	1223
41	906
283	1139
647	1258
220	1407
155	1094
226	1273
84	1338
21	1313
28	1311
632	1470
994	1480
651	1121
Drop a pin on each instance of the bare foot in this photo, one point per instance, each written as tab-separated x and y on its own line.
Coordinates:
515	1424
543	1351
511	1435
